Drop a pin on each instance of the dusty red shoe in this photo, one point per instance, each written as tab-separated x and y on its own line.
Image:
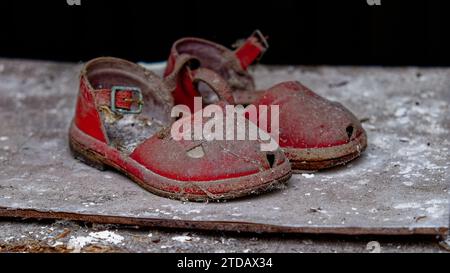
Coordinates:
315	133
122	120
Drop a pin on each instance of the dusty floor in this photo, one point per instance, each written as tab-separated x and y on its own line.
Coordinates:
400	183
62	236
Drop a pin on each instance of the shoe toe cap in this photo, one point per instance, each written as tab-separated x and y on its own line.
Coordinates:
308	120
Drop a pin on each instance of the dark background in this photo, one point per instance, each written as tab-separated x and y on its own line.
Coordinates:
339	32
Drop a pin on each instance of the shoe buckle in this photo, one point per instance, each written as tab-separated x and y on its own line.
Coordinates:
137	98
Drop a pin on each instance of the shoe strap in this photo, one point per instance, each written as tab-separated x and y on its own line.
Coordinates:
120	99
207	76
181	62
252	49
215	82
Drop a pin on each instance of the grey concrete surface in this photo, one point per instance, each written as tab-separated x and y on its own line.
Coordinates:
400	183
63	236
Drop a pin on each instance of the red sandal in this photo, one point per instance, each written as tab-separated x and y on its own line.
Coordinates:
315	133
122	119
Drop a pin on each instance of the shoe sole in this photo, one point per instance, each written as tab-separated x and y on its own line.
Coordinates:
324	158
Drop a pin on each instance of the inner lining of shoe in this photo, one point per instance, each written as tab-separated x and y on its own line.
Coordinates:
208	95
127	131
209	55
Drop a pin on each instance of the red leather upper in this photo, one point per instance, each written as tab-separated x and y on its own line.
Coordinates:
87	117
230	159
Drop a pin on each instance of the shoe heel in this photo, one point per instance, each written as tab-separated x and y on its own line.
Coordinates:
83	154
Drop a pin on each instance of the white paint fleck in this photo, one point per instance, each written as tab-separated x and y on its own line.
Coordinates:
308	176
107	236
77	243
433	210
436	202
194	211
408	183
406	170
4	138
56	244
182	239
411	205
401	112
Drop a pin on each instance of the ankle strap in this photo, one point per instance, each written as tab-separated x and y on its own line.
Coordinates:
252	49
215	82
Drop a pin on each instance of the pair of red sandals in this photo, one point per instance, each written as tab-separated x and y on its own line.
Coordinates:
123	121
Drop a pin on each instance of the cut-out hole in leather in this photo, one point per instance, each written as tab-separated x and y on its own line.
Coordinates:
270	159
196	152
349	131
